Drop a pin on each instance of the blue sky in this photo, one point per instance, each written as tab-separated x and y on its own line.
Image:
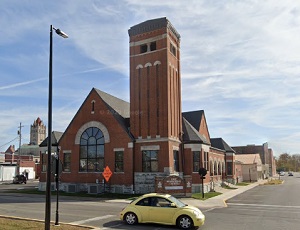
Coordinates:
240	63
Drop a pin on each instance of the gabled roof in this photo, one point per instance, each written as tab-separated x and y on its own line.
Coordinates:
249	158
190	134
194	118
10	149
55	137
197	120
118	105
219	143
119	108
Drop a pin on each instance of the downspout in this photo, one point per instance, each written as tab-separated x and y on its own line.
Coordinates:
182	152
133	166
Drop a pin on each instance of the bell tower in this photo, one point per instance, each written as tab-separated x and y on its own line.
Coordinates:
155	84
155	96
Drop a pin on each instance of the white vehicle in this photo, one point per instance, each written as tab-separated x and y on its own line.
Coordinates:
281	173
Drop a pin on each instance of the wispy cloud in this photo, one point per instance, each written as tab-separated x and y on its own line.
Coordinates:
239	61
21	84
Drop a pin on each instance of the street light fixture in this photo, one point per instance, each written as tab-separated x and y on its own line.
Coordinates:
48	179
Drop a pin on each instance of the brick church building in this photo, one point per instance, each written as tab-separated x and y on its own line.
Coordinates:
149	144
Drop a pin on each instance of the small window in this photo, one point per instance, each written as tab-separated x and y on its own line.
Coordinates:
176	160
93	106
119	161
172	49
229	168
153	46
196	161
67	162
44	162
143	48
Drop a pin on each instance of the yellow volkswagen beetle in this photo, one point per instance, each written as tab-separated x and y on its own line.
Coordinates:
162	209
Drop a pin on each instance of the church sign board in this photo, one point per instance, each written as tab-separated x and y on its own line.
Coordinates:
172	184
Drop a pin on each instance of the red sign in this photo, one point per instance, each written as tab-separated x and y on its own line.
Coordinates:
107	173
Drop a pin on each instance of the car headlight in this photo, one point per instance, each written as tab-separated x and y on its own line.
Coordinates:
197	214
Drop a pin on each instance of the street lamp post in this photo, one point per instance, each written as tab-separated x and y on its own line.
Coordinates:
57	173
48	179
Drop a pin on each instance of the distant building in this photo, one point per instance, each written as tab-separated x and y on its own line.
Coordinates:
37	132
252	167
266	155
26	158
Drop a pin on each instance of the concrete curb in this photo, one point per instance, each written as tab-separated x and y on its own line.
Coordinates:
220	201
42	221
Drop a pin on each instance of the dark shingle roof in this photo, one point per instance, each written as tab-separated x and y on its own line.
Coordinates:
55	137
151	25
190	134
194	118
119	108
219	143
118	105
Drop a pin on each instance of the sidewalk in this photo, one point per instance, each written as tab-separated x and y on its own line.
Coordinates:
220	201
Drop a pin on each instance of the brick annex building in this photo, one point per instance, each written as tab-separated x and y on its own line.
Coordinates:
148	144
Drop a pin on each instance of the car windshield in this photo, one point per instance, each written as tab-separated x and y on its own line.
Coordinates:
177	202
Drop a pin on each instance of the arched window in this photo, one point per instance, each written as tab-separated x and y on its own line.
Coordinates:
219	168
91	150
211	168
215	168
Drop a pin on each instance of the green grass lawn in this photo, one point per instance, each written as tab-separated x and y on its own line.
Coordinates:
242	184
228	187
8	223
206	195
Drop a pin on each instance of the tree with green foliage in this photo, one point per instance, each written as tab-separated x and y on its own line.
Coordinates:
287	162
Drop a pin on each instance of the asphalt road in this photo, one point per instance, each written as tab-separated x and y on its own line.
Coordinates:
267	207
263	207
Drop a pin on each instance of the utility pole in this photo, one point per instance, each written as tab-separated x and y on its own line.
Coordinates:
19	152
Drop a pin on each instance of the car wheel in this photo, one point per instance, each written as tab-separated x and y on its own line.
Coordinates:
185	222
131	218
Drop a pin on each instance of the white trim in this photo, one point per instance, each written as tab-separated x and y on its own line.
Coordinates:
139	66
148	64
96	124
118	149
175	147
197	147
150	147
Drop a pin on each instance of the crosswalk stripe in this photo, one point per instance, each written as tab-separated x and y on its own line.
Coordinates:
92	219
264	205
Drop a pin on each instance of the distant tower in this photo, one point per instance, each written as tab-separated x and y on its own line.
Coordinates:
37	132
155	95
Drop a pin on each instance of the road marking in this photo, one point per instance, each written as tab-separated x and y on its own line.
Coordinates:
92	219
208	210
264	205
259	209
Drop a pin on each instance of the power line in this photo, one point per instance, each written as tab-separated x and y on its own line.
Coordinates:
9	142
